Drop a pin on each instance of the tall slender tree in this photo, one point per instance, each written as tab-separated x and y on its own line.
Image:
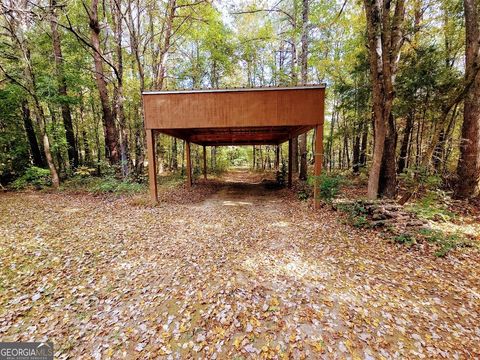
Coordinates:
62	86
110	128
469	161
304	79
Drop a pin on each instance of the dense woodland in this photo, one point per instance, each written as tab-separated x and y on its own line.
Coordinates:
402	77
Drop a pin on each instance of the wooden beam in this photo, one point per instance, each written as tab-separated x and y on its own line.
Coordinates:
189	164
204	162
290	162
152	166
273	137
318	164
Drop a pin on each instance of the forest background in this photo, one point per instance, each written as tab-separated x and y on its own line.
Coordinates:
402	77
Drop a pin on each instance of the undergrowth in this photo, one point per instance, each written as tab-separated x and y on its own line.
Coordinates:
34	177
328	185
444	242
433	205
102	185
427	208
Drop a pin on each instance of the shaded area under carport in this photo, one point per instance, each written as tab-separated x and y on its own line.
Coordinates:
256	116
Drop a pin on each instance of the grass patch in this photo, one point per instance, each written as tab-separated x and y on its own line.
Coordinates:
444	242
432	206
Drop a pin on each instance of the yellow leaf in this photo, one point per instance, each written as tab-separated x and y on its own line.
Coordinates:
274	302
318	345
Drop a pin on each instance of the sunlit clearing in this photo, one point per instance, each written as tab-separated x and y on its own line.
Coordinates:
236	203
280	224
212	226
291	266
451	228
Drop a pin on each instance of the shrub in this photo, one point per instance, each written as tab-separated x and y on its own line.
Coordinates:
406	239
360	221
357	214
113	185
281	175
329	186
35	177
303	194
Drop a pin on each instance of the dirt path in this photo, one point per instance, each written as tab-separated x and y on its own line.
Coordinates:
249	272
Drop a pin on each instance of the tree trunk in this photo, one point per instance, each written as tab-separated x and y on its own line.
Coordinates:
363	150
304	79
86	147
213	157
62	89
295	154
111	135
356	154
402	160
46	144
117	19
330	137
469	162
32	139
174	154
165	46
387	182
385	39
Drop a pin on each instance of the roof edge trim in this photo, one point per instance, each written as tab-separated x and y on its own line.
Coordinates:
193	91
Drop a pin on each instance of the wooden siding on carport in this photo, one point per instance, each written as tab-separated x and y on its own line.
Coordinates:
234	108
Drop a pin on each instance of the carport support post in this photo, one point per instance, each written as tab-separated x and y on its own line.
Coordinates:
318	164
290	160
152	166
204	162
189	165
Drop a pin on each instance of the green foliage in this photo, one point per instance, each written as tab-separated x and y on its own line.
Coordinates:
413	176
35	177
357	214
432	206
444	242
405	239
281	175
116	186
360	221
237	156
84	171
303	193
14	155
221	162
102	185
329	186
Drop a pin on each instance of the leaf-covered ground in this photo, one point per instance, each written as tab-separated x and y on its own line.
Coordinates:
247	272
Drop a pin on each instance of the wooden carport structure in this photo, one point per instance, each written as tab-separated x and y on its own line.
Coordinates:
253	116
